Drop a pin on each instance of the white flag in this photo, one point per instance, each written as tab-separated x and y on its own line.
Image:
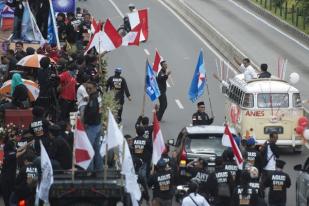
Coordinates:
114	136
47	175
113	139
158	141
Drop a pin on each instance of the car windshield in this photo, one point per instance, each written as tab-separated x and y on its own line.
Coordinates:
267	100
205	143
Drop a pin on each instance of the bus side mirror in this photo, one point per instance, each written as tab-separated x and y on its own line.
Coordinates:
171	142
298	167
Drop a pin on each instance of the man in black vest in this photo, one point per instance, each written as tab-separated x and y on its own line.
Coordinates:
201	117
278	182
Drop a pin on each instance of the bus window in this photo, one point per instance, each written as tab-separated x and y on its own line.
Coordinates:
248	101
277	100
297	100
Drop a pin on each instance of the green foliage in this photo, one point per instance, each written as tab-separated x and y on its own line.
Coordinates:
108	100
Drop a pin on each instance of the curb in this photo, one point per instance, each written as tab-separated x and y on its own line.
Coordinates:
225	47
281	24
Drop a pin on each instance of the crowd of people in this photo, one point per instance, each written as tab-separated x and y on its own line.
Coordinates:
74	84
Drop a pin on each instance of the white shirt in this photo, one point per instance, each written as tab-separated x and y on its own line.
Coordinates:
271	165
200	200
81	94
249	72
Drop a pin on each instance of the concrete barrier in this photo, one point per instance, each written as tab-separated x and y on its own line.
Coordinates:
225	47
274	20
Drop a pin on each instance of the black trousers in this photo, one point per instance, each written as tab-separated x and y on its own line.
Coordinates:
119	113
66	107
163	105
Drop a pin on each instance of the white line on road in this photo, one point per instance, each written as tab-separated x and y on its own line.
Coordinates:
167	84
213	50
270	25
116	7
179	104
147	52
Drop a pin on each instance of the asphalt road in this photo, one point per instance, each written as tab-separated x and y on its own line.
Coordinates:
180	47
263	44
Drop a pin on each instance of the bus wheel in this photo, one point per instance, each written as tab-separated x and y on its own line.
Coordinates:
298	149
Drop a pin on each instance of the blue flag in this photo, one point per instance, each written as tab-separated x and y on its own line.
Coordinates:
152	88
199	79
52	32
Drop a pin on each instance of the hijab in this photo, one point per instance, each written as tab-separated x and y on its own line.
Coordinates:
16	80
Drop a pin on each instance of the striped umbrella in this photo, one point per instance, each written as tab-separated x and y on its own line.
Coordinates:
32	61
33	89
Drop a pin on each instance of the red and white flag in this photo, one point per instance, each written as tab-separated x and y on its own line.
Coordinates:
157	139
156	63
140	17
82	147
132	38
229	141
95	26
106	40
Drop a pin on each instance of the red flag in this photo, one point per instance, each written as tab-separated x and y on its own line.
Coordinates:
157	60
106	40
143	16
132	38
95	26
228	140
140	18
158	141
82	147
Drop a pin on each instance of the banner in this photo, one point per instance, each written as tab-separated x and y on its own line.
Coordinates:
64	6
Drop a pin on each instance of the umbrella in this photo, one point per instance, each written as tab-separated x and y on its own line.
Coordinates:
32	61
33	89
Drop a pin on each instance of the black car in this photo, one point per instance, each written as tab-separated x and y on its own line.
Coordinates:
198	142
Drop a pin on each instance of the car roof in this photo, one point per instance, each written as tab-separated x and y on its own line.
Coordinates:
208	129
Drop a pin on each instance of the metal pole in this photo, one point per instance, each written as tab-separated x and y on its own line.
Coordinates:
210	105
144	97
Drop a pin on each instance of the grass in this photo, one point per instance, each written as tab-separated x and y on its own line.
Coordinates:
288	18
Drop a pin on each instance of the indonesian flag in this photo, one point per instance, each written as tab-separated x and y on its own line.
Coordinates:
156	64
140	17
229	141
106	40
158	142
95	26
132	38
82	147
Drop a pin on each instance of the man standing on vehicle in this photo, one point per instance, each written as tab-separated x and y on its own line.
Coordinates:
162	182
264	73
278	182
248	71
201	117
161	79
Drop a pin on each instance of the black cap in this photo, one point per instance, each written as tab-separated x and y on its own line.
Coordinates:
200	103
280	163
161	163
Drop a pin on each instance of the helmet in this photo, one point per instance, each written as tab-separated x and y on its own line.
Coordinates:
254	172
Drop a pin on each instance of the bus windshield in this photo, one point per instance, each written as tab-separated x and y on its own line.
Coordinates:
270	100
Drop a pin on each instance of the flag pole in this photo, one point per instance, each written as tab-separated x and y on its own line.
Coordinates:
73	155
106	150
144	97
123	154
209	99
